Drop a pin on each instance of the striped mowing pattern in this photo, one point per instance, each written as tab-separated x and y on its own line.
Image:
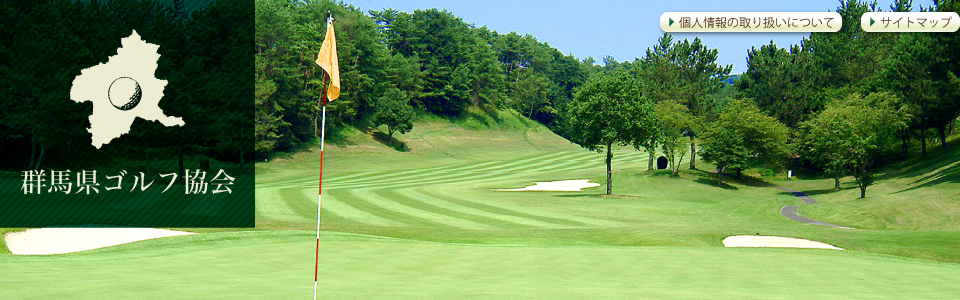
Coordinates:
453	196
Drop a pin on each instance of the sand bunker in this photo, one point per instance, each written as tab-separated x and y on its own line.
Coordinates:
774	241
44	241
576	185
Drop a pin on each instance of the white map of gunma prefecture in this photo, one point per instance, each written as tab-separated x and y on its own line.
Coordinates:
123	89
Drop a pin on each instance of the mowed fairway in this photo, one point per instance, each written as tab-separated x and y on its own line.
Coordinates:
427	224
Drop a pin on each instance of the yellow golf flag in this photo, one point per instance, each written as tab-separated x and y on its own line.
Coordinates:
327	59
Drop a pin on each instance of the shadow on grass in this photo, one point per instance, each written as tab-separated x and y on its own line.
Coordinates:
659	173
824	191
491	111
333	137
936	167
599	196
710	178
337	138
948	175
290	152
713	182
925	165
390	141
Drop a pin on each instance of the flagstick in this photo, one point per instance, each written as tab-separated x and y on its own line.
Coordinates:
323	130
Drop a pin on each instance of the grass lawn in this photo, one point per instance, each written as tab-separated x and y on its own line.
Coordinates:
425	223
922	193
278	265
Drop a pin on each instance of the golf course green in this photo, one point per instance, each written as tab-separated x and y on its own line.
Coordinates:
427	223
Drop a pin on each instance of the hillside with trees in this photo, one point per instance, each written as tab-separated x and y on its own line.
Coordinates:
395	64
428	60
398	65
856	100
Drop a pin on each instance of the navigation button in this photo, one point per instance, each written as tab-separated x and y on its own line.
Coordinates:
750	22
910	22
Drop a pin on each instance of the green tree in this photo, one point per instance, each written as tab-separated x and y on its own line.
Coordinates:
850	57
226	81
268	123
393	110
674	122
539	79
848	136
822	144
685	72
533	94
459	66
289	83
950	47
783	83
919	73
606	111
854	61
742	136
34	87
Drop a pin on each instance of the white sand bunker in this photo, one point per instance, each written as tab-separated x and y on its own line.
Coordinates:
774	241
44	241
576	185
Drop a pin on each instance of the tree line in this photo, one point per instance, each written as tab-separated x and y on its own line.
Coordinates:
834	102
393	64
837	102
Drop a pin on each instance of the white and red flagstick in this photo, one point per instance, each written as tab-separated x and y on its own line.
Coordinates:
327	60
323	130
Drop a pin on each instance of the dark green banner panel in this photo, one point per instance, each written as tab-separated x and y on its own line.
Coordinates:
127	113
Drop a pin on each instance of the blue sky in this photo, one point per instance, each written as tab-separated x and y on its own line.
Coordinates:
623	29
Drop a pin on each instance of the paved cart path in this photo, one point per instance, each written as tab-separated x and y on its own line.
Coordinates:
791	211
